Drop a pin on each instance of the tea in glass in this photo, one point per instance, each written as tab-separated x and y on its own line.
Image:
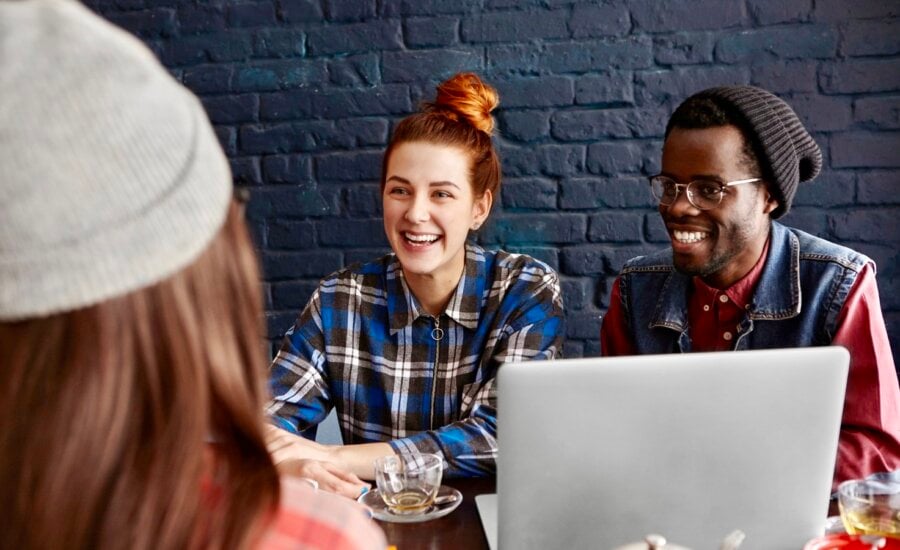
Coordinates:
408	482
870	507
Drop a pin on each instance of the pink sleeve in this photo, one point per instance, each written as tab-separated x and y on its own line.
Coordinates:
614	336
870	429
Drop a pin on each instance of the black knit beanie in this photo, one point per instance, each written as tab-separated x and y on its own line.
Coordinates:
788	154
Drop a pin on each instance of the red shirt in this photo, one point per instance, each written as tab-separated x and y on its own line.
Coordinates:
870	427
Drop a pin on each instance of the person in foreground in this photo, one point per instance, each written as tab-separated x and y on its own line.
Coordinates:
131	366
735	279
407	347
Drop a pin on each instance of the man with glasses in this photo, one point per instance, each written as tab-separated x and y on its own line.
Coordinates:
734	279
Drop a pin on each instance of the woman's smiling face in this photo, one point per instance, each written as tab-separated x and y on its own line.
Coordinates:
429	208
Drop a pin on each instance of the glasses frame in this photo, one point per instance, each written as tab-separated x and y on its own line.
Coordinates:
688	189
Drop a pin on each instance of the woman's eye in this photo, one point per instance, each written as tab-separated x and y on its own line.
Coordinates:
398	191
443	195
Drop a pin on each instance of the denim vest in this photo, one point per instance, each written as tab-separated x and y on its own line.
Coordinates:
799	296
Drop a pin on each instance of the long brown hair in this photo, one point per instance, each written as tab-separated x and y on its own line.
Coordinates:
107	414
460	116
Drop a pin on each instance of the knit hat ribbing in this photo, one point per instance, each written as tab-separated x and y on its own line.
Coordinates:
111	175
789	154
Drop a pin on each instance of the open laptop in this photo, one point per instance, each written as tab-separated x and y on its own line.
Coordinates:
600	452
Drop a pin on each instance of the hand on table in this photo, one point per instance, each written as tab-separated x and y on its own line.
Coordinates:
300	457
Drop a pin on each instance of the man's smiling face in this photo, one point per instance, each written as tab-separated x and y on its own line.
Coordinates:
722	244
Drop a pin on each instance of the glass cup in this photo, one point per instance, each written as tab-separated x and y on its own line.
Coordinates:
870	507
408	482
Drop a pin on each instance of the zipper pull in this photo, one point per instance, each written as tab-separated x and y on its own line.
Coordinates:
437	332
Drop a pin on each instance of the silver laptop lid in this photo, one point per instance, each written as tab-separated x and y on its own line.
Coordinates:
599	452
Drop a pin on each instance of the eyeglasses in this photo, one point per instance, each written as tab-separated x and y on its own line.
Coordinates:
702	194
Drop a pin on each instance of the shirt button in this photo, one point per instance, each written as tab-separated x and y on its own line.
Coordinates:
723	298
727	336
706	308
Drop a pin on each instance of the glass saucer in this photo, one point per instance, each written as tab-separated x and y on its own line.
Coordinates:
373	501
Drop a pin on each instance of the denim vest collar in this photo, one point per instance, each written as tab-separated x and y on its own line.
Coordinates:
777	294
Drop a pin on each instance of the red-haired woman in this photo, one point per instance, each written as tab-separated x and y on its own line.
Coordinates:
131	372
407	347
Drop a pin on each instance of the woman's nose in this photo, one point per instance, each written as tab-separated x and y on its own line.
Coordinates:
418	210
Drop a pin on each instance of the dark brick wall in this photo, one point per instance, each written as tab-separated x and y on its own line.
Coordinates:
303	94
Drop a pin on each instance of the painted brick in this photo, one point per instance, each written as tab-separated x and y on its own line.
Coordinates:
274	75
291	202
771	12
600	21
364	255
887	259
671	87
362	132
583	325
277	323
841	10
689	15
871	38
230	109
831	188
429	7
514	59
349	10
592	346
251	14
879	187
279	43
200	18
344	233
604	289
245	171
876	225
863	149
811	220
860	76
616	157
299	11
536	228
153	23
536	193
291	235
877	112
293	295
581	193
615	227
810	41
524	125
587	259
607	123
549	160
514	26
822	113
279	138
536	92
652	157
287	169
364	200
380	100
208	78
218	47
421	65
573	348
608	88
434	32
785	76
227	139
355	70
355	166
549	256
632	52
655	230
576	292
684	48
355	38
279	266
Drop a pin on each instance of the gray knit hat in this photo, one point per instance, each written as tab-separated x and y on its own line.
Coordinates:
110	174
788	154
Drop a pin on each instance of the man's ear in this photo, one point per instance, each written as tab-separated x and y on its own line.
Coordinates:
771	203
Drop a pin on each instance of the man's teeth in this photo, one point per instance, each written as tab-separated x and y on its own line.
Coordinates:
690	236
421	238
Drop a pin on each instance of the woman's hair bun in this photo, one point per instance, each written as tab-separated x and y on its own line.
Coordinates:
470	99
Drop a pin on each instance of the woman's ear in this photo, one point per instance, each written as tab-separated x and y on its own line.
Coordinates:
481	209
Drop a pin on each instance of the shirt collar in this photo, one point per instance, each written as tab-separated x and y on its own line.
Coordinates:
464	306
741	292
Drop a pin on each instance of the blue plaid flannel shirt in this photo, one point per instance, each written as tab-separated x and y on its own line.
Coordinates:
364	345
